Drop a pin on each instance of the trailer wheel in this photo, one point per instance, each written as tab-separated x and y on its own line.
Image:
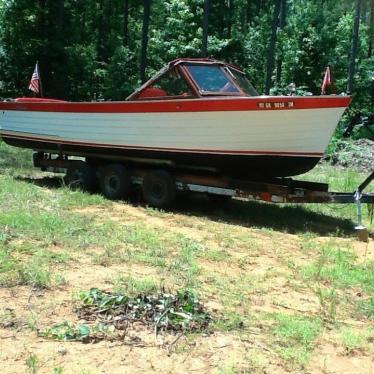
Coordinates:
115	181
159	189
80	175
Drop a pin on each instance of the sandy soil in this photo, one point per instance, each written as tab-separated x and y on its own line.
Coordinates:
265	258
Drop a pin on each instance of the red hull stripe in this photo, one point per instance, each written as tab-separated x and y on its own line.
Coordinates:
141	148
192	105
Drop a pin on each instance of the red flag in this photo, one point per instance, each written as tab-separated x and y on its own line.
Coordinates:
327	81
35	80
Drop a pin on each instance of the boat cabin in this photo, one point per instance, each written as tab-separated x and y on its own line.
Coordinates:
195	78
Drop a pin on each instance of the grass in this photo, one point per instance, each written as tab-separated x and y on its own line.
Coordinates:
351	340
295	337
240	260
343	180
31	363
336	266
133	286
335	270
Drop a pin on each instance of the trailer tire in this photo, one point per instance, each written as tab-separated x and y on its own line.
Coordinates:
80	175
115	181
159	189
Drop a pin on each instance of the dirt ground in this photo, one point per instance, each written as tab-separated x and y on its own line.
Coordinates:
247	351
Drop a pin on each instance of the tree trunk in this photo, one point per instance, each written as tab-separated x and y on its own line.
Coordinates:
248	12
100	32
364	11
229	18
126	23
352	63
143	57
271	50
60	15
204	47
371	31
282	24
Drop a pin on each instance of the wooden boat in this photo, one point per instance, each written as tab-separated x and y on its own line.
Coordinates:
195	113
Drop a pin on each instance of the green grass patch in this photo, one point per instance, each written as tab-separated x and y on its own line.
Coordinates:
231	321
133	286
352	340
14	159
216	255
337	266
334	271
295	337
184	265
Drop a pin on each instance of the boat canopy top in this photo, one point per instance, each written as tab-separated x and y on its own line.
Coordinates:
195	78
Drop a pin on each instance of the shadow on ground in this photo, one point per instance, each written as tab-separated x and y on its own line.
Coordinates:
48	182
294	219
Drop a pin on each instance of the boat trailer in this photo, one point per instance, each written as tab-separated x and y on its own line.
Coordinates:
287	190
274	190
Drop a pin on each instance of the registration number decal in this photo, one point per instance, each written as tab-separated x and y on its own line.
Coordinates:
275	105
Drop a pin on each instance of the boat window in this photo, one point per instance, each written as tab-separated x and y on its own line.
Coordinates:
169	84
243	82
211	79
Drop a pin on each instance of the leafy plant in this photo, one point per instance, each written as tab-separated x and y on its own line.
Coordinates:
64	331
180	312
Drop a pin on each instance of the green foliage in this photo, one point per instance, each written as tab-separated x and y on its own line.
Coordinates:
89	50
102	300
179	312
113	311
64	331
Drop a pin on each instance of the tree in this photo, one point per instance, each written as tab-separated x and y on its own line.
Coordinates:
352	63
126	23
204	48
95	48
143	58
271	50
371	31
282	24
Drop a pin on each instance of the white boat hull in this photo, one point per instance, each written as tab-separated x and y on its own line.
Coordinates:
235	135
304	132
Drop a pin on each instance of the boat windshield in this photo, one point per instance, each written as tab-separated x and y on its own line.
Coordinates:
212	79
243	83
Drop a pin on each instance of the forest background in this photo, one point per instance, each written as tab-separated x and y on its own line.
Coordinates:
103	49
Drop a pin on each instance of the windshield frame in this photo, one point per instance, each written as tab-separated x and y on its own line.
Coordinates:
233	70
222	68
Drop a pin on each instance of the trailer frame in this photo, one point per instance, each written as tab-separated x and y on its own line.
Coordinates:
272	190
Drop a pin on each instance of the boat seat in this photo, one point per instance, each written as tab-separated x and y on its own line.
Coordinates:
152	92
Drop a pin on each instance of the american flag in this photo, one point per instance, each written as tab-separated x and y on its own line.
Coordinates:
35	80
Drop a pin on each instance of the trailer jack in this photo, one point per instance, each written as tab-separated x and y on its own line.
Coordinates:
362	231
